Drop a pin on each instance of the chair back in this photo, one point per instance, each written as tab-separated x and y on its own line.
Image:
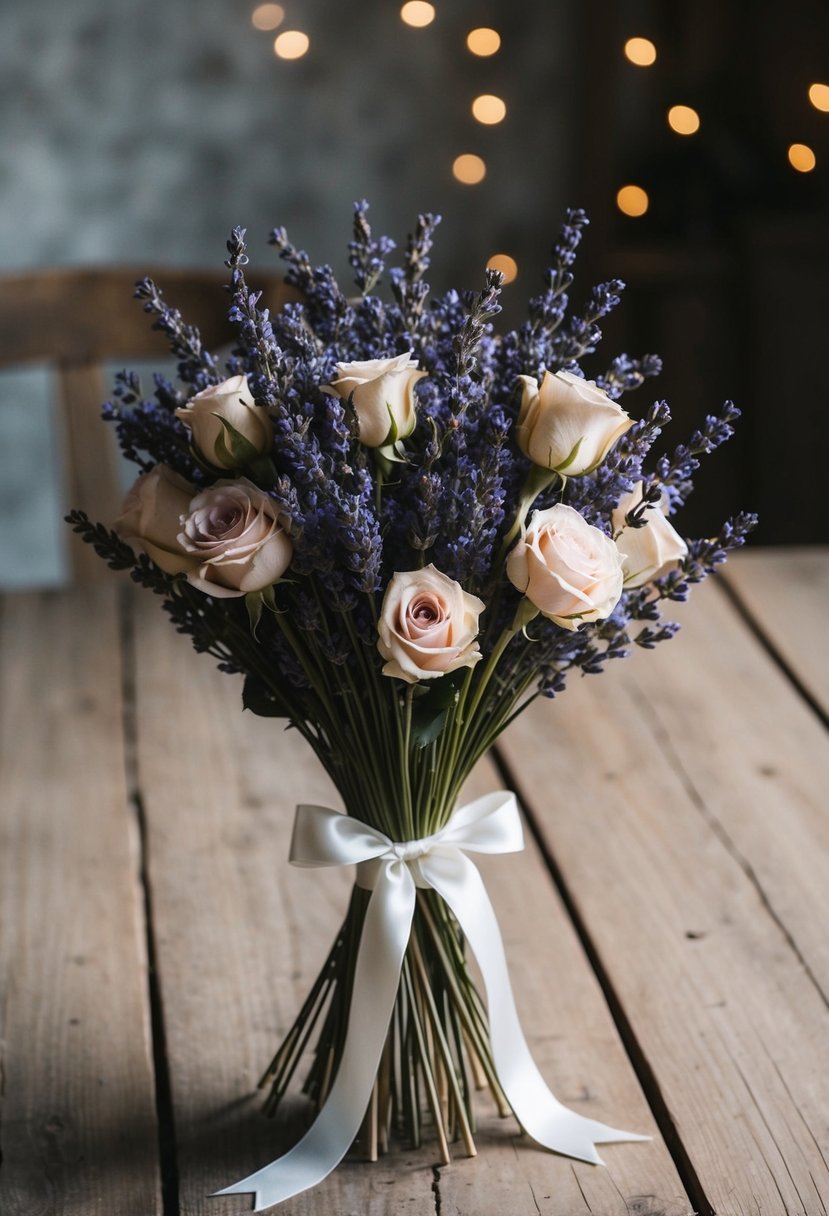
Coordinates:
76	320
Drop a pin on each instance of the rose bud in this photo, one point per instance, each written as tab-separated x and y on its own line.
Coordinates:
382	393
650	551
427	626
151	517
567	425
228	430
569	570
232	532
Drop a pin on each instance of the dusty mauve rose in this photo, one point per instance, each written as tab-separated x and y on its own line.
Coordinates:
232	401
650	551
428	625
569	570
151	517
232	531
567	425
383	396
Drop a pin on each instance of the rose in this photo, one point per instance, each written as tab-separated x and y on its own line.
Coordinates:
382	392
228	429
569	570
650	551
568	424
427	625
151	517
233	532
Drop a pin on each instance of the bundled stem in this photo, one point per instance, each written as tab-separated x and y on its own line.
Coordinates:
437	1051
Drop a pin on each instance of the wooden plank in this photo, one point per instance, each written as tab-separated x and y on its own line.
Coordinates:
785	591
684	802
240	935
77	1116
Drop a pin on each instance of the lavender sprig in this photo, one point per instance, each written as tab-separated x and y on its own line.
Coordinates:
196	365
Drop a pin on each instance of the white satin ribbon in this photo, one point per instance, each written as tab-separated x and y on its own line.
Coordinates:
392	871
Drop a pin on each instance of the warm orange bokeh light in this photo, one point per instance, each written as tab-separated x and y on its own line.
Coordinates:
819	96
267	16
418	13
632	200
292	44
469	169
507	265
683	119
640	51
802	158
483	41
489	109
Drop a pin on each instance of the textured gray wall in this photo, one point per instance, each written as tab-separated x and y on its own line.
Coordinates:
142	132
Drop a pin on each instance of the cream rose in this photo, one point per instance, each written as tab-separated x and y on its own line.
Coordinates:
232	532
650	551
569	570
428	625
383	396
151	517
567	425
230	402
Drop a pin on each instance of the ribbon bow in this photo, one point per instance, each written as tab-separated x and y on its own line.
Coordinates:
392	871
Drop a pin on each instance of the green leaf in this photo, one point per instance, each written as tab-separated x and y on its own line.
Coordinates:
429	712
253	603
258	698
232	448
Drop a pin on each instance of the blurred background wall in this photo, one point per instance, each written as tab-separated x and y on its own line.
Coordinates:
140	133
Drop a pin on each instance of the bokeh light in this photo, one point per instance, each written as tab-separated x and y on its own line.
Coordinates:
489	109
819	96
267	16
640	51
506	264
483	41
802	158
683	119
632	200
418	13
293	44
469	169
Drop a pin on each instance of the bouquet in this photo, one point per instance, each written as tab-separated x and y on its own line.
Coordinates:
401	527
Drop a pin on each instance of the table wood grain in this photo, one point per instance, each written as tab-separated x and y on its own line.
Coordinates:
665	927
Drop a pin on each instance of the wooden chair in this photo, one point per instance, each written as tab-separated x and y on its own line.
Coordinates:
76	319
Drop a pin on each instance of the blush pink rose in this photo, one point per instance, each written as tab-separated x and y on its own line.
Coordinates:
569	570
231	401
428	625
382	393
650	551
567	424
151	517
232	532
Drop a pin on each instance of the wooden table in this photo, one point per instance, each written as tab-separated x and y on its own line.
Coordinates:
666	926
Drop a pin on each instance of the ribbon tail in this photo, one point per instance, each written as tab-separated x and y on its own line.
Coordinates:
383	945
542	1116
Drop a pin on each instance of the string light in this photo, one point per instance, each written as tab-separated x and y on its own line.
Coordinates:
469	169
293	44
802	158
632	200
683	119
819	96
506	264
489	109
267	16
418	13
640	51
483	41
